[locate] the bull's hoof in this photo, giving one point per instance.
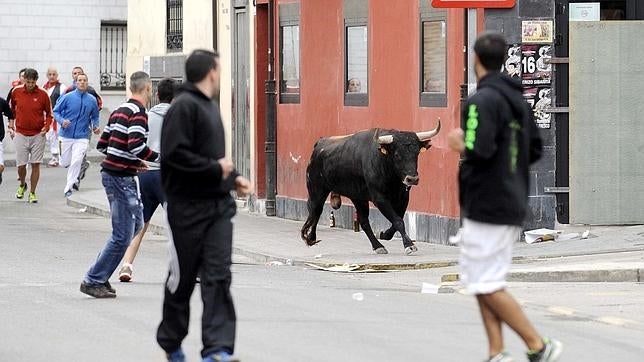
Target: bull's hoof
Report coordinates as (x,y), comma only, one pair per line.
(411,249)
(312,242)
(381,250)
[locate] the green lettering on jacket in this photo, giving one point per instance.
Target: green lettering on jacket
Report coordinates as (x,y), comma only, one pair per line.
(471,125)
(514,145)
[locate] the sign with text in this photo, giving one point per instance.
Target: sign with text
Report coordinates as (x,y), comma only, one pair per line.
(536,31)
(584,12)
(507,4)
(536,69)
(539,99)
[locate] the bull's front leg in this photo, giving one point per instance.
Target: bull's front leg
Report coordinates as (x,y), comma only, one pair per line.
(400,208)
(362,208)
(397,223)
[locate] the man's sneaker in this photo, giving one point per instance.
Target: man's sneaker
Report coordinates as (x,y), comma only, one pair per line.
(0,177)
(501,357)
(68,193)
(33,198)
(84,167)
(53,162)
(176,356)
(96,291)
(21,191)
(220,356)
(109,287)
(551,351)
(125,274)
(76,185)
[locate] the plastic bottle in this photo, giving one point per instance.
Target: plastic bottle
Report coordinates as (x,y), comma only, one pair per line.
(332,220)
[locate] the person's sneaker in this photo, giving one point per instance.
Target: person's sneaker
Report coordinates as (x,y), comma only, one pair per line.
(220,356)
(501,357)
(76,185)
(68,193)
(0,177)
(125,274)
(84,167)
(33,198)
(96,291)
(109,287)
(53,162)
(21,191)
(176,356)
(551,351)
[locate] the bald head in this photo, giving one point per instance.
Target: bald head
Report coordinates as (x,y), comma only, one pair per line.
(52,75)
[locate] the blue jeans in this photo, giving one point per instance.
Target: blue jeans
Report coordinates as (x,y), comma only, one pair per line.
(127,219)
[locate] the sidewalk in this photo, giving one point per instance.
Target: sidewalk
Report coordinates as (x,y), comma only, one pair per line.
(610,254)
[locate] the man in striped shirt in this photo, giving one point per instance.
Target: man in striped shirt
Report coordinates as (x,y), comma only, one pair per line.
(124,142)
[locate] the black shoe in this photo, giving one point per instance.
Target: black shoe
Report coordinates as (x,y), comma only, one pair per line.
(0,178)
(109,287)
(76,185)
(96,291)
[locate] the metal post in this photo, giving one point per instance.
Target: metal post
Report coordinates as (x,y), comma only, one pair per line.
(271,119)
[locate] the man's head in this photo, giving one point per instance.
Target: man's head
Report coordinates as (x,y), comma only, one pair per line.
(21,75)
(202,70)
(31,76)
(52,75)
(141,86)
(490,49)
(166,89)
(76,71)
(82,82)
(353,85)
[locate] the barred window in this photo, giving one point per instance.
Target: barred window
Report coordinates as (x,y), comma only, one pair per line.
(113,53)
(174,25)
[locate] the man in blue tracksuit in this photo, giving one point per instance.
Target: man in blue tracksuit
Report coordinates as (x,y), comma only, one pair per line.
(76,113)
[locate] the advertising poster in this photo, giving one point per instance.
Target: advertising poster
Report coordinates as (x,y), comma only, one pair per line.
(536,31)
(535,65)
(512,65)
(539,99)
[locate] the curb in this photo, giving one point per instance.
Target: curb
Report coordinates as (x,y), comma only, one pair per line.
(569,276)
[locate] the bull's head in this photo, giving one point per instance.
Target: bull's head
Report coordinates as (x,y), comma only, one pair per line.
(403,149)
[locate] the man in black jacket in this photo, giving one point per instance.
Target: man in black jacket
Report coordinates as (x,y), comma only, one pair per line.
(197,180)
(499,141)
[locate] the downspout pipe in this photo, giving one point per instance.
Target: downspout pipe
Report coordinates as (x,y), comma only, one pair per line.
(271,118)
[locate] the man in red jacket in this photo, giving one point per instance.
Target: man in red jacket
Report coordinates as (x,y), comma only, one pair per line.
(32,109)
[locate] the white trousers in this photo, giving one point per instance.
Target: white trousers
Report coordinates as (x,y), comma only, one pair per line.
(73,151)
(52,139)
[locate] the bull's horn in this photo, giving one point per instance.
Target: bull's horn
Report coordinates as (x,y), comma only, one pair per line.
(424,136)
(385,140)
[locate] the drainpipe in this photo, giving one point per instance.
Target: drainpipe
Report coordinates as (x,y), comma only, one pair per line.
(271,119)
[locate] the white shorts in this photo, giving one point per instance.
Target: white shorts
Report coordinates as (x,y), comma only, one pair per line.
(486,255)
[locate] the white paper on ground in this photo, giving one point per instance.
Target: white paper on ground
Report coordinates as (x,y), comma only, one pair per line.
(429,288)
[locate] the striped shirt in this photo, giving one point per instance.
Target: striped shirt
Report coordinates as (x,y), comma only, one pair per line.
(124,140)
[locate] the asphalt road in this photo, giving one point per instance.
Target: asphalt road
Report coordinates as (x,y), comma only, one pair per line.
(284,313)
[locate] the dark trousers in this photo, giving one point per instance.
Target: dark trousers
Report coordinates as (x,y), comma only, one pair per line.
(201,243)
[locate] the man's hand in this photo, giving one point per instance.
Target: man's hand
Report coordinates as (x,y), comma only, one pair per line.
(455,140)
(66,123)
(96,130)
(12,128)
(227,167)
(243,186)
(142,167)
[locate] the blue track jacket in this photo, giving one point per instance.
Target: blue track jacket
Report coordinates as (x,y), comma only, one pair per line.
(81,109)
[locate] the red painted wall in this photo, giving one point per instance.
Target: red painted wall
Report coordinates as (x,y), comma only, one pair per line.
(394,70)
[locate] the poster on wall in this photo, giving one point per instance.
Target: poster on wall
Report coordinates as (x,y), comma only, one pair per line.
(512,65)
(536,31)
(539,99)
(535,64)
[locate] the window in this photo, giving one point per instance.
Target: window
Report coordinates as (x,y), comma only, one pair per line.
(433,73)
(289,53)
(174,25)
(356,35)
(112,55)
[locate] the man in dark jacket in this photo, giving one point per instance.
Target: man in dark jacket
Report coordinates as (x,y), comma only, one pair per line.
(197,180)
(6,110)
(499,142)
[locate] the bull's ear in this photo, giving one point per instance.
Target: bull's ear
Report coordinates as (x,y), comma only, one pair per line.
(425,145)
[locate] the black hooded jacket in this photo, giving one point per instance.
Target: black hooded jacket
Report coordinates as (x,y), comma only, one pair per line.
(501,141)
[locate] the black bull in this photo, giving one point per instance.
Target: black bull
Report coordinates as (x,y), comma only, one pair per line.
(377,165)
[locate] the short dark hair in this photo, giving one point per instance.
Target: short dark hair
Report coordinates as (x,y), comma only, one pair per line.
(491,48)
(199,63)
(31,74)
(22,71)
(166,89)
